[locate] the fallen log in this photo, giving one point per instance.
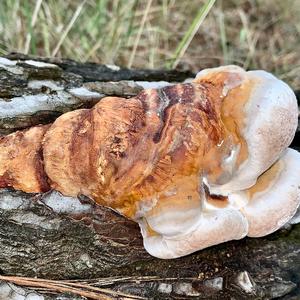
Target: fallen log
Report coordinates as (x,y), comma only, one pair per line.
(49,236)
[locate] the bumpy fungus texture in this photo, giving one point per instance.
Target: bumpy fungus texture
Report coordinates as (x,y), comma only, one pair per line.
(194,164)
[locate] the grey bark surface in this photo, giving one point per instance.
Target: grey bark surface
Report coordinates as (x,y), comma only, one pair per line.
(55,237)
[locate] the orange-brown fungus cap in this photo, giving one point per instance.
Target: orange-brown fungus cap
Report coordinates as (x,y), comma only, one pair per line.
(21,160)
(191,163)
(126,150)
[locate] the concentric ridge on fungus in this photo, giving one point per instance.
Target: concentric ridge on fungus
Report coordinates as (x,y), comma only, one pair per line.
(194,164)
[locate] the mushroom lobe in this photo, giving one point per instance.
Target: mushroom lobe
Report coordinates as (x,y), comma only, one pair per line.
(195,164)
(275,197)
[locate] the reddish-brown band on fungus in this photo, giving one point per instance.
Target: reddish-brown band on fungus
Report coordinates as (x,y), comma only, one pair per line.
(21,160)
(136,147)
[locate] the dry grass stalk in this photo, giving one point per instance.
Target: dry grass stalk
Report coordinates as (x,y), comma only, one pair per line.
(81,289)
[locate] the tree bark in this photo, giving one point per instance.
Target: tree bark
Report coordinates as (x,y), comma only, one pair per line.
(55,237)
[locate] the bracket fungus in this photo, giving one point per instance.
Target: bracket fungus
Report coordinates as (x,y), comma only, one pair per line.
(195,164)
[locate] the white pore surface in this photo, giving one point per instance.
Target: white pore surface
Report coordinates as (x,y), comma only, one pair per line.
(270,209)
(271,123)
(213,227)
(173,222)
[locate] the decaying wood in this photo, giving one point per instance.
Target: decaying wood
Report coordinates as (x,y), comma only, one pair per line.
(54,237)
(33,93)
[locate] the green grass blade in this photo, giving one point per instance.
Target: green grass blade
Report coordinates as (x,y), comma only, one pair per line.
(223,38)
(186,40)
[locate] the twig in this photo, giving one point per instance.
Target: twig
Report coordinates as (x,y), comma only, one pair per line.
(84,290)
